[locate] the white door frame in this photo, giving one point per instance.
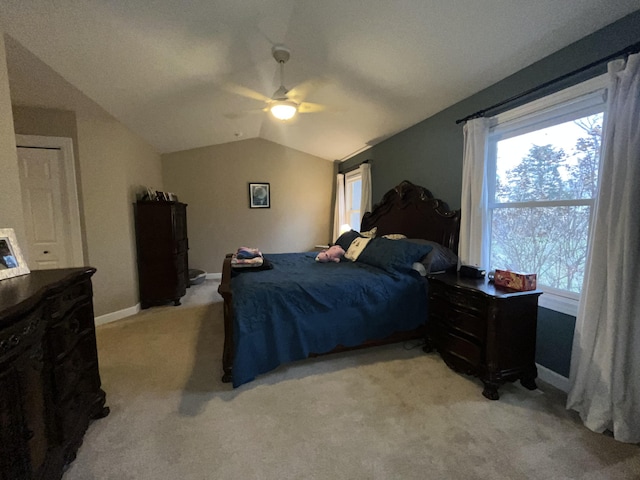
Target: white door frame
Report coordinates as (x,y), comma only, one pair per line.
(66,148)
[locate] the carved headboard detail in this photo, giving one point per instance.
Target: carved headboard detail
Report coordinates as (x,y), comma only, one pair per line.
(411,210)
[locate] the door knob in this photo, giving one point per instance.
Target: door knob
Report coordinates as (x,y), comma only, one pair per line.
(46,251)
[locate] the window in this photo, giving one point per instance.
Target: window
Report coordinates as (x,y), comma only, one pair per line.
(542,177)
(353,197)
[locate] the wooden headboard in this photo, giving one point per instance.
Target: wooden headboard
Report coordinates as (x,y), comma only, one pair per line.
(411,210)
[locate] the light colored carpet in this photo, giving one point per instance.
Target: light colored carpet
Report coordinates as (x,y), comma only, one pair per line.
(383,413)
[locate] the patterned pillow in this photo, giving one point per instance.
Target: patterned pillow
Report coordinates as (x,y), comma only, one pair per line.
(394,236)
(370,233)
(356,248)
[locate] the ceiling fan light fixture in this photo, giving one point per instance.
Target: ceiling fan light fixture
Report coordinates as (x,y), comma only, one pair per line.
(283,109)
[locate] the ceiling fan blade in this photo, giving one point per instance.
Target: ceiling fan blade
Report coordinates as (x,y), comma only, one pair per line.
(308,107)
(245,92)
(306,88)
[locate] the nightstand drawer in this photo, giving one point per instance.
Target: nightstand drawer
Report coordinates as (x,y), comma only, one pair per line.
(452,317)
(459,298)
(460,354)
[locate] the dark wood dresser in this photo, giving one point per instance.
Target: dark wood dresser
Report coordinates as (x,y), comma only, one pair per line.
(162,246)
(49,380)
(482,330)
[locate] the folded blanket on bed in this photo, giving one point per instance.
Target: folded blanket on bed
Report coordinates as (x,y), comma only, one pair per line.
(248,253)
(246,262)
(247,257)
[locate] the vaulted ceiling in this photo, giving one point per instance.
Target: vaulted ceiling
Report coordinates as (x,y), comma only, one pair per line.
(189,74)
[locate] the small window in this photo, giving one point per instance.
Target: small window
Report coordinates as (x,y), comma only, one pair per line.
(353,197)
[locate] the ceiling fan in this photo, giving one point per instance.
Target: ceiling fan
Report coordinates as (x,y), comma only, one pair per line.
(284,104)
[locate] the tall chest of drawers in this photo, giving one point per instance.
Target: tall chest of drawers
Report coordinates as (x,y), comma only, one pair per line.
(162,251)
(50,385)
(482,330)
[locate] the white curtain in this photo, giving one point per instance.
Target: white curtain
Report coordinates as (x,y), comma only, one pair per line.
(474,218)
(365,200)
(340,214)
(605,362)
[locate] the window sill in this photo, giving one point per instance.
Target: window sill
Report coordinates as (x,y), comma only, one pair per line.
(559,303)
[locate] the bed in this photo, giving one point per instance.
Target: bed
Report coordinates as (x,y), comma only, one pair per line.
(300,308)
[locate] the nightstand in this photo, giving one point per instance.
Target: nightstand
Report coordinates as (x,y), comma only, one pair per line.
(482,330)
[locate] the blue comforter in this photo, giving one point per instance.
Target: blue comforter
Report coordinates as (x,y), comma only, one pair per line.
(301,307)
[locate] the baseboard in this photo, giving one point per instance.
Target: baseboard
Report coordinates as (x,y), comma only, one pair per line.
(214,276)
(113,316)
(553,378)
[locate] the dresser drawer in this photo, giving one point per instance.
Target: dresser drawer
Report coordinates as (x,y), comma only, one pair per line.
(73,412)
(460,354)
(66,333)
(180,263)
(182,245)
(60,304)
(461,299)
(454,318)
(22,334)
(79,363)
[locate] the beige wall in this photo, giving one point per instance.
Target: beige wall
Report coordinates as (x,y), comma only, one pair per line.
(46,121)
(112,165)
(213,181)
(115,164)
(10,195)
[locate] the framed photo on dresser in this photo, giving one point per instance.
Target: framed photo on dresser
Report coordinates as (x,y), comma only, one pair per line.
(12,263)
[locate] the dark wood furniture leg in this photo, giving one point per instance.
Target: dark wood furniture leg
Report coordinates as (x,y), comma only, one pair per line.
(491,390)
(225,291)
(529,384)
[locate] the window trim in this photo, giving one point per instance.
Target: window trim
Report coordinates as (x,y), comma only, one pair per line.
(590,93)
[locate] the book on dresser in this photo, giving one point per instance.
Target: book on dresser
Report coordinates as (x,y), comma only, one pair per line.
(162,251)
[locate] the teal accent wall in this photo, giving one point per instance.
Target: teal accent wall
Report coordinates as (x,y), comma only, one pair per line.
(430,152)
(554,340)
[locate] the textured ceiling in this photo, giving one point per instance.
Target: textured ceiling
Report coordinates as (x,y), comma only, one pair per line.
(174,71)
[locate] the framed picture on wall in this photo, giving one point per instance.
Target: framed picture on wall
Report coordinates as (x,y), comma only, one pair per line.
(12,262)
(259,195)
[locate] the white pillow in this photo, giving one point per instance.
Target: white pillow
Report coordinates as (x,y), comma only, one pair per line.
(419,267)
(356,248)
(370,233)
(394,236)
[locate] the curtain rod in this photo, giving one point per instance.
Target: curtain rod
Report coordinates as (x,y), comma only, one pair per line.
(631,49)
(355,167)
